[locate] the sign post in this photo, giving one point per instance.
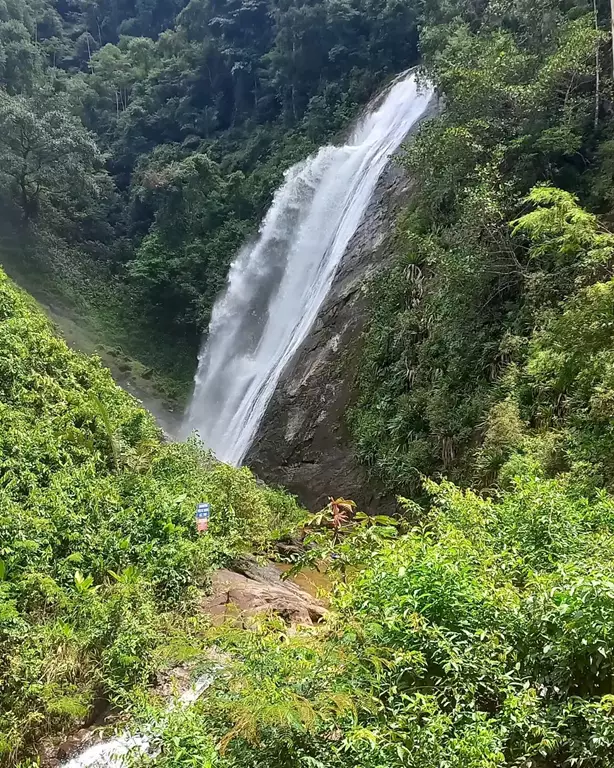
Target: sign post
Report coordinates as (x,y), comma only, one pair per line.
(203,512)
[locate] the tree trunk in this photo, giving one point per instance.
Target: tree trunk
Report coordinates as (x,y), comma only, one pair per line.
(597,65)
(29,204)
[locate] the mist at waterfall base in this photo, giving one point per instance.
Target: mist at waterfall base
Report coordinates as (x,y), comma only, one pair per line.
(277,284)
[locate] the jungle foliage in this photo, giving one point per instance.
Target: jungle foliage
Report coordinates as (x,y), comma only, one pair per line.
(100,562)
(501,256)
(176,121)
(476,633)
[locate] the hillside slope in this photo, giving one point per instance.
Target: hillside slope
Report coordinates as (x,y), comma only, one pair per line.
(99,556)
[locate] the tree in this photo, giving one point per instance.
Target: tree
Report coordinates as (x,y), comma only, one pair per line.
(20,59)
(199,224)
(47,157)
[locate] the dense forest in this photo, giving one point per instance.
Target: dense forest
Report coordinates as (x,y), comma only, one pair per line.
(142,144)
(139,145)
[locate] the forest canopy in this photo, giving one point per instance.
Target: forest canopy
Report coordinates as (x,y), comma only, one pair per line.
(175,121)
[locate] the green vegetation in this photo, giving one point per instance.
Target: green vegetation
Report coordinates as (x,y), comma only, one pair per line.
(100,562)
(141,144)
(476,629)
(476,634)
(496,254)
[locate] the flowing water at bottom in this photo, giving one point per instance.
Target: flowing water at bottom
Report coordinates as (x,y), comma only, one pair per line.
(112,753)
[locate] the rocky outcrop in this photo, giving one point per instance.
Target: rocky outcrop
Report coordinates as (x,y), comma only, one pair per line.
(303,442)
(250,589)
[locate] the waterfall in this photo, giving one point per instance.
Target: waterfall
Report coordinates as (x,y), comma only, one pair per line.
(117,752)
(277,284)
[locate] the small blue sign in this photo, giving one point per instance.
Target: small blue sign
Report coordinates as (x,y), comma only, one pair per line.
(203,511)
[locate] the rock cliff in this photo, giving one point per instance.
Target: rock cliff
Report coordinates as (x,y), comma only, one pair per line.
(303,442)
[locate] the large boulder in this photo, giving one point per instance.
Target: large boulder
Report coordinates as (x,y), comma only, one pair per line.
(251,589)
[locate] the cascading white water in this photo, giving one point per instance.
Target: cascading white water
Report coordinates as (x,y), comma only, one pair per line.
(277,284)
(115,753)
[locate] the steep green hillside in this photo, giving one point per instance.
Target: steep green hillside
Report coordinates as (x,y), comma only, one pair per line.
(482,335)
(99,557)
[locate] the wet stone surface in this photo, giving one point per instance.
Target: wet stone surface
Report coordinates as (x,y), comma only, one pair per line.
(303,442)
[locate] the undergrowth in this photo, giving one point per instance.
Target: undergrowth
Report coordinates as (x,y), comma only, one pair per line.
(99,555)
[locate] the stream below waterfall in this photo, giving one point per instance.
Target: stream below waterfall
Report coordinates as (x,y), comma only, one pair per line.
(112,752)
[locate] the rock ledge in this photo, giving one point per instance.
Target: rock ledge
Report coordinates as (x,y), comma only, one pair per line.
(250,589)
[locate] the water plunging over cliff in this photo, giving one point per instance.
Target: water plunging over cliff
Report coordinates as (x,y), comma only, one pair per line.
(277,284)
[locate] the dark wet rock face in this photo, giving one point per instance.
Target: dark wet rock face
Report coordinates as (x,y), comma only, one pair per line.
(303,442)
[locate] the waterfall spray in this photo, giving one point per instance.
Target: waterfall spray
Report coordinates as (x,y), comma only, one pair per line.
(277,284)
